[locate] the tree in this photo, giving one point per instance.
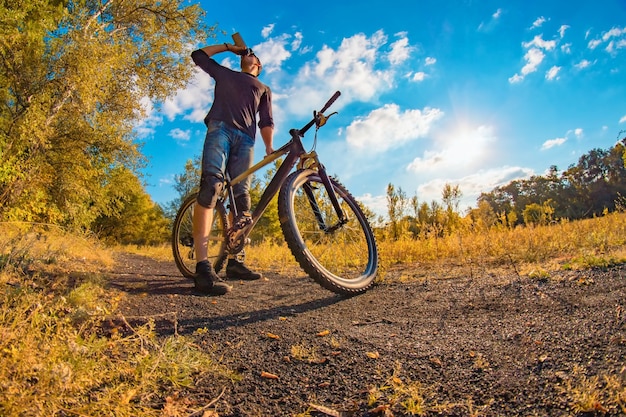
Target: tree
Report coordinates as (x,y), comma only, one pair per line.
(586,189)
(131,217)
(73,75)
(185,184)
(396,207)
(451,197)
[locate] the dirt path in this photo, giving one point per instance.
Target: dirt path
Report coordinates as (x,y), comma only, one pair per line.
(485,346)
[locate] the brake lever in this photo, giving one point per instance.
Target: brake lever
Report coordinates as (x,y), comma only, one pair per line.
(320,119)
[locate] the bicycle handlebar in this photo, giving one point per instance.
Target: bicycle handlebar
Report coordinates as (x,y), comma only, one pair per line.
(329,103)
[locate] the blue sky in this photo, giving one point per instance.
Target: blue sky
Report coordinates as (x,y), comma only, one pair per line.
(469,93)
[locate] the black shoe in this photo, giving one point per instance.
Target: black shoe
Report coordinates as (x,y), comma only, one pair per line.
(237,270)
(207,281)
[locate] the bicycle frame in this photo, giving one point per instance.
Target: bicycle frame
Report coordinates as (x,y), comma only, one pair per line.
(294,151)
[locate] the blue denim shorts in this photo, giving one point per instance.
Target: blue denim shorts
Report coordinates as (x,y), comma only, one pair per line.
(227,150)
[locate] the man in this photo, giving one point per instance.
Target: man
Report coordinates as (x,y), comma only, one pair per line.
(228,148)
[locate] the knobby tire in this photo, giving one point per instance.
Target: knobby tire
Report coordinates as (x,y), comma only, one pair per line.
(343,260)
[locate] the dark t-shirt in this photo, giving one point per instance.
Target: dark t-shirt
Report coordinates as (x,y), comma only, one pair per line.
(238,96)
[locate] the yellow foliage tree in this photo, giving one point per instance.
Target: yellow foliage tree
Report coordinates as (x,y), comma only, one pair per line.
(73,76)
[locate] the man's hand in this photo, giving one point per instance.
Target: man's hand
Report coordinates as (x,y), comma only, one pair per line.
(239,50)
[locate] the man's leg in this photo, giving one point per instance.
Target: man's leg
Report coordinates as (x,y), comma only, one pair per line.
(202,222)
(241,158)
(214,155)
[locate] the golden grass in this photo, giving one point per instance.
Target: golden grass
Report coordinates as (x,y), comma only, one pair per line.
(598,242)
(63,348)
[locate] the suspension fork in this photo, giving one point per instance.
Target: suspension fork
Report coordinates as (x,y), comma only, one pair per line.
(308,189)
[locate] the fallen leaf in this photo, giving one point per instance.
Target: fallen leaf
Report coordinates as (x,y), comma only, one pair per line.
(326,410)
(373,355)
(273,336)
(324,333)
(268,375)
(379,409)
(436,361)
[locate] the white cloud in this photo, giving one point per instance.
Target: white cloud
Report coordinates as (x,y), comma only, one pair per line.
(297,41)
(418,76)
(538,22)
(193,102)
(562,30)
(623,119)
(180,135)
(491,23)
(613,33)
(538,42)
(146,126)
(583,64)
(533,58)
(593,44)
(553,73)
(273,52)
(578,132)
(378,203)
(352,68)
(400,51)
(615,39)
(552,143)
(473,185)
(267,30)
(388,127)
(430,61)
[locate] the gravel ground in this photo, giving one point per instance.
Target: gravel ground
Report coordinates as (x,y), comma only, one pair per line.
(467,346)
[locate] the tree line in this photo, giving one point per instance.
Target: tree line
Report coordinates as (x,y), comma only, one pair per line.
(592,187)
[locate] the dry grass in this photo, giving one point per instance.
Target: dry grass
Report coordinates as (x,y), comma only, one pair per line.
(63,348)
(530,251)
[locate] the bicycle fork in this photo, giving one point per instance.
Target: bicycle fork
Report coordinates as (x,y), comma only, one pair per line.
(308,189)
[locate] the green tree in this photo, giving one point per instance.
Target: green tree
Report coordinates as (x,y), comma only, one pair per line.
(130,217)
(185,184)
(268,226)
(73,75)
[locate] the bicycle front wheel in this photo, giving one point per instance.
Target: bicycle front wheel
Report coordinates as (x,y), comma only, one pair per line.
(340,256)
(183,247)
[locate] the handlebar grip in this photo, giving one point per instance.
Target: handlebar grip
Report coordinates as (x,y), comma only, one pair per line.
(331,101)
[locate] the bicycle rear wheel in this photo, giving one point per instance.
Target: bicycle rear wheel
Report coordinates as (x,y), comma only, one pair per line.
(342,258)
(182,238)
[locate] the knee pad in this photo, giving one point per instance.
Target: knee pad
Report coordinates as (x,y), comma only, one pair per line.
(211,188)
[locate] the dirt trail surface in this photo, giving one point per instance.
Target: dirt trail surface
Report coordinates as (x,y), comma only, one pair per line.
(480,346)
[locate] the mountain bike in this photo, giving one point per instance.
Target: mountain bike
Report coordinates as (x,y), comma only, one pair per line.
(323,224)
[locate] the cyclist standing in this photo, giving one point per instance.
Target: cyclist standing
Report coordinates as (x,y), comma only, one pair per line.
(229,148)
